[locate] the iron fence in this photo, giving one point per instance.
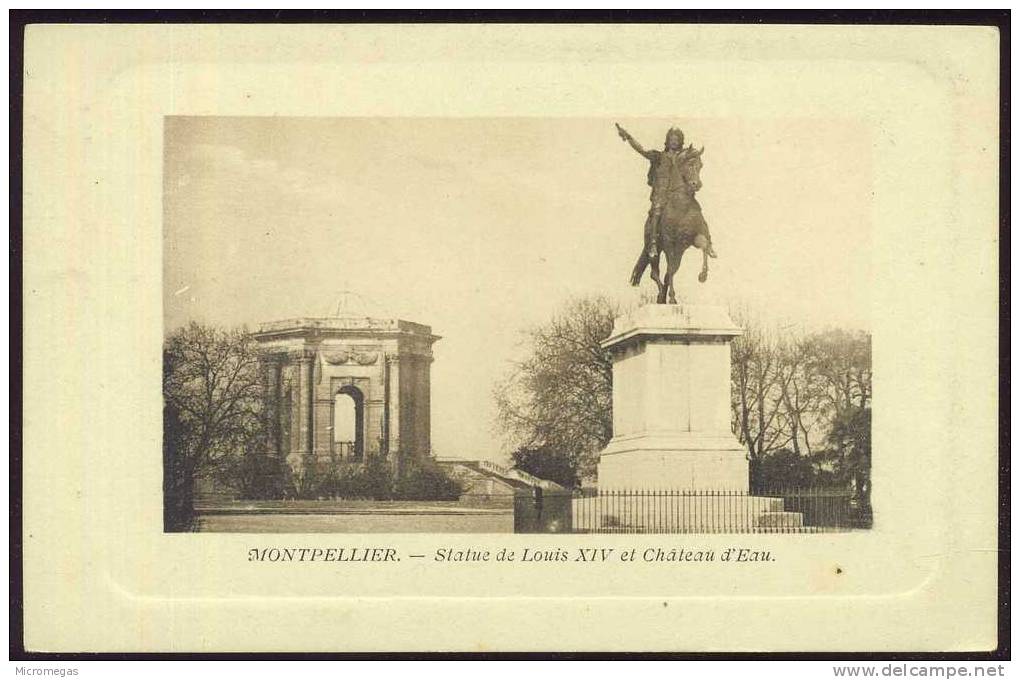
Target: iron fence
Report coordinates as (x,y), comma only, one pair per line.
(671,511)
(346,451)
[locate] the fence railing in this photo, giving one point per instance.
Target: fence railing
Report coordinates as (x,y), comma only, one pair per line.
(670,511)
(346,451)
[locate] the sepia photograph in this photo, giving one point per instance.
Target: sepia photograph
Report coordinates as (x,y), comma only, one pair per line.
(490,325)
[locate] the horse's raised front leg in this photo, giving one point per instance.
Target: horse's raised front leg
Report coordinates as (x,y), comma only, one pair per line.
(703,276)
(705,246)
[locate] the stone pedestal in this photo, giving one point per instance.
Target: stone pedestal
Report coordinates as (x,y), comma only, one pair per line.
(671,402)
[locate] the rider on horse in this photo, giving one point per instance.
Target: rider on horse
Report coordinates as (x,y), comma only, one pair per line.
(665,177)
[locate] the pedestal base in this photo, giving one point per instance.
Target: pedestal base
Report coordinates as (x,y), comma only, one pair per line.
(673,462)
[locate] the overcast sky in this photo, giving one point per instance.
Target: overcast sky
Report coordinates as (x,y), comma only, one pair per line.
(482,228)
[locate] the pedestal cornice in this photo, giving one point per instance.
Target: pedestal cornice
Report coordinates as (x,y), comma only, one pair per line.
(676,323)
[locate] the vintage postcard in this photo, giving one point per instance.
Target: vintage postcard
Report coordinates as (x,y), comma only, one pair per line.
(574,338)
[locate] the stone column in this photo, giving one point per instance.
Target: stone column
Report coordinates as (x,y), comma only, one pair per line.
(300,369)
(671,402)
(322,424)
(304,426)
(294,419)
(373,419)
(271,378)
(393,419)
(426,410)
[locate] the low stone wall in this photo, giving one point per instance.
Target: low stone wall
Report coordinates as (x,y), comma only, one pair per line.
(353,517)
(326,507)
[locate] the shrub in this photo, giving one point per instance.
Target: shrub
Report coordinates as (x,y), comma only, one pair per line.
(375,479)
(256,476)
(548,463)
(421,479)
(781,470)
(346,482)
(339,479)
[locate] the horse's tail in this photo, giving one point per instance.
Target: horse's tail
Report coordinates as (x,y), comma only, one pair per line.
(639,268)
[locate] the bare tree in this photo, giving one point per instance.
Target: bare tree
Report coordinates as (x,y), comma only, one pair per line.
(212,410)
(558,401)
(801,397)
(840,361)
(759,378)
(788,388)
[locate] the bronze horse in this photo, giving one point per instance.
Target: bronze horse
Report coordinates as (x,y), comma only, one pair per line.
(681,225)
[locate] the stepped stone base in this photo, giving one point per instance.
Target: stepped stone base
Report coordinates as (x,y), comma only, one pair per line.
(671,513)
(781,520)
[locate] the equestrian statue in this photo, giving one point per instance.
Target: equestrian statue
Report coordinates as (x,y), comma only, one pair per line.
(674,221)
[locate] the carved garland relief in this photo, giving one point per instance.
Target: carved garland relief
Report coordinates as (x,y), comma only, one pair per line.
(340,357)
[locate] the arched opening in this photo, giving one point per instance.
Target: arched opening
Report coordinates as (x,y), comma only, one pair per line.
(348,423)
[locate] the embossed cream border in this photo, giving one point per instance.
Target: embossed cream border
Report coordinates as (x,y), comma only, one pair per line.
(101,576)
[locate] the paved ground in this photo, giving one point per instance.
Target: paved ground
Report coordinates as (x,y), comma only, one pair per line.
(493,522)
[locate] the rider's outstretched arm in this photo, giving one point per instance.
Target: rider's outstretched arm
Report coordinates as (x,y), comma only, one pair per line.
(626,136)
